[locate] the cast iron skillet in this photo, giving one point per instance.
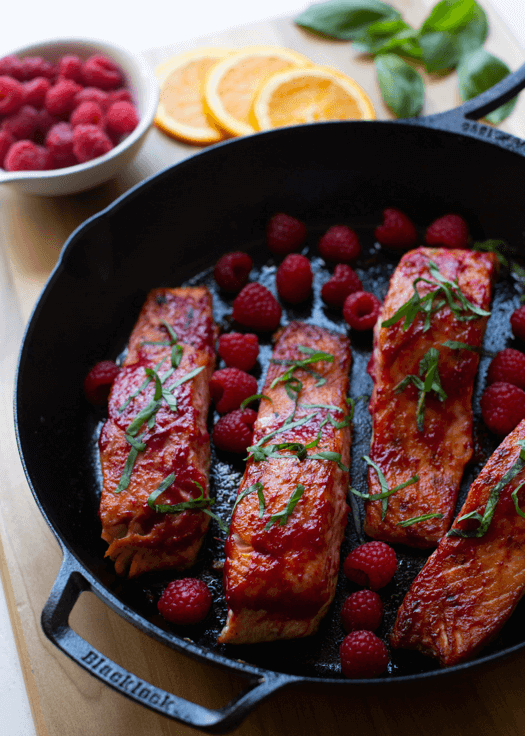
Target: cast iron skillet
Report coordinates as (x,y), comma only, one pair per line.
(170,229)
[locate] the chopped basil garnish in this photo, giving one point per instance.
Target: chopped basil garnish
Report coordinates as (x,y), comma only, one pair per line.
(417,519)
(385,493)
(136,447)
(314,357)
(193,504)
(283,516)
(427,381)
(141,387)
(455,345)
(514,496)
(334,457)
(255,397)
(255,487)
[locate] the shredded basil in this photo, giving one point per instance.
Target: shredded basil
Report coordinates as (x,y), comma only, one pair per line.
(283,516)
(385,493)
(255,397)
(314,357)
(514,496)
(136,447)
(417,519)
(255,487)
(141,387)
(427,381)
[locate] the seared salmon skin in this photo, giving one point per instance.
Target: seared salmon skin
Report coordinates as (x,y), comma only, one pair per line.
(471,584)
(424,361)
(283,548)
(154,446)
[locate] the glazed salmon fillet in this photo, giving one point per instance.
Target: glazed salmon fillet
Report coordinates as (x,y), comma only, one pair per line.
(470,585)
(149,441)
(431,442)
(282,553)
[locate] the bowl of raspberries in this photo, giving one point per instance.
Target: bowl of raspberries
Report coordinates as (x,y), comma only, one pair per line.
(73,113)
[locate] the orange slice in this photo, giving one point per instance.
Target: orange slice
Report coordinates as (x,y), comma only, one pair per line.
(181,112)
(309,95)
(232,83)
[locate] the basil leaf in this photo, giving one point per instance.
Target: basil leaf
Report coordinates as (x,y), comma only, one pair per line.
(345,19)
(514,496)
(417,519)
(282,516)
(255,397)
(440,51)
(479,71)
(166,483)
(390,35)
(465,20)
(402,87)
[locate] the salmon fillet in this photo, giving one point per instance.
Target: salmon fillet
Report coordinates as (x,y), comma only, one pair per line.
(141,538)
(470,586)
(280,573)
(434,444)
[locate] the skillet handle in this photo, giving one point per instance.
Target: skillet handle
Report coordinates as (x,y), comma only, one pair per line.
(69,584)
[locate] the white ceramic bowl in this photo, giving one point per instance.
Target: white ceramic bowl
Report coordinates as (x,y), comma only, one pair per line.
(141,82)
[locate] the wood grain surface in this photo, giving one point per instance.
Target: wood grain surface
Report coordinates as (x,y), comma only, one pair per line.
(64,698)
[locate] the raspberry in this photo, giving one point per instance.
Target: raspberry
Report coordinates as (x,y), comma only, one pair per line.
(119,95)
(339,243)
(502,407)
(508,367)
(35,91)
(92,94)
(36,66)
(60,99)
(185,601)
(59,141)
(11,66)
(397,230)
(69,67)
(229,387)
(27,156)
(100,71)
(232,271)
(362,610)
(11,95)
(239,350)
(284,233)
(256,307)
(122,118)
(517,322)
(449,231)
(363,655)
(6,141)
(98,382)
(234,431)
(22,124)
(371,565)
(87,112)
(45,121)
(90,141)
(294,278)
(361,310)
(344,282)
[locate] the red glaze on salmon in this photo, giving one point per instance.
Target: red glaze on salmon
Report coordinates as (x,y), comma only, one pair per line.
(439,453)
(141,540)
(280,581)
(469,587)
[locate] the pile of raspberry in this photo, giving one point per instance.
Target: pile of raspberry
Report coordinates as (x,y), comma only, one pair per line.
(58,115)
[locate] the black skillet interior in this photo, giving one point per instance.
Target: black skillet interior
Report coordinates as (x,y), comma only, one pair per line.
(171,230)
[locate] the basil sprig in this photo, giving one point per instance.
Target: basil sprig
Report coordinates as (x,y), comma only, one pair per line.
(427,381)
(386,492)
(452,36)
(282,516)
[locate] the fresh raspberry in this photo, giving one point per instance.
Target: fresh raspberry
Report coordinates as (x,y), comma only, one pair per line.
(22,124)
(6,141)
(345,281)
(98,382)
(90,141)
(11,66)
(36,66)
(92,94)
(284,233)
(363,655)
(294,278)
(339,243)
(229,387)
(239,350)
(371,565)
(119,95)
(397,230)
(69,67)
(234,431)
(87,112)
(122,118)
(517,322)
(508,367)
(361,310)
(502,407)
(449,231)
(60,99)
(35,91)
(102,72)
(257,308)
(45,122)
(362,611)
(59,141)
(11,95)
(27,156)
(232,271)
(185,601)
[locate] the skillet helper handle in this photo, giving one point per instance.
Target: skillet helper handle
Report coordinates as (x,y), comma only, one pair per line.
(69,584)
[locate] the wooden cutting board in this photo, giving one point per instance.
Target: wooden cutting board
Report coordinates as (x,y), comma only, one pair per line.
(64,698)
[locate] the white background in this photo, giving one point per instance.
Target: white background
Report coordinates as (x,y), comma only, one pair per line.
(137,26)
